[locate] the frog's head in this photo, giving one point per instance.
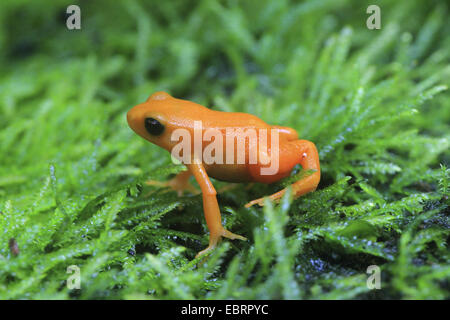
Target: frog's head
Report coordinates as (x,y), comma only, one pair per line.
(155,119)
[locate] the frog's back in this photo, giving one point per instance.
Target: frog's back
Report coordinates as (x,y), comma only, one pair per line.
(217,119)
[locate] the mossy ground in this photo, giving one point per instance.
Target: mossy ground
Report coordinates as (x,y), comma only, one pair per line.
(375,102)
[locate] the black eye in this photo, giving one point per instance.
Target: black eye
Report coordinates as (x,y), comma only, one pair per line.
(153,126)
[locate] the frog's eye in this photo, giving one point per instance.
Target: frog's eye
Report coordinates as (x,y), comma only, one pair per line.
(153,126)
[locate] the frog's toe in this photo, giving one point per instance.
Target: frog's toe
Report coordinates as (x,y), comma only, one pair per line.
(274,197)
(210,248)
(232,236)
(259,202)
(215,238)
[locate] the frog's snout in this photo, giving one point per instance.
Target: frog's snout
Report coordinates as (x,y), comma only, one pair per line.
(130,118)
(133,118)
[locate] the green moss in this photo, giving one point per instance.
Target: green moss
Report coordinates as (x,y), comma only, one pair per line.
(375,102)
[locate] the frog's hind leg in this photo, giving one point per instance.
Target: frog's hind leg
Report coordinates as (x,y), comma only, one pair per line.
(309,160)
(179,183)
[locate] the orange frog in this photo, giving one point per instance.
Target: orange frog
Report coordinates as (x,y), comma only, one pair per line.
(160,119)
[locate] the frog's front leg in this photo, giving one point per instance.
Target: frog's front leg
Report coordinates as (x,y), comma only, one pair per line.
(210,208)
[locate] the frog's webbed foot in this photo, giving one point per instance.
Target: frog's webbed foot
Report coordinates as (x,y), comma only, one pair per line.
(179,183)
